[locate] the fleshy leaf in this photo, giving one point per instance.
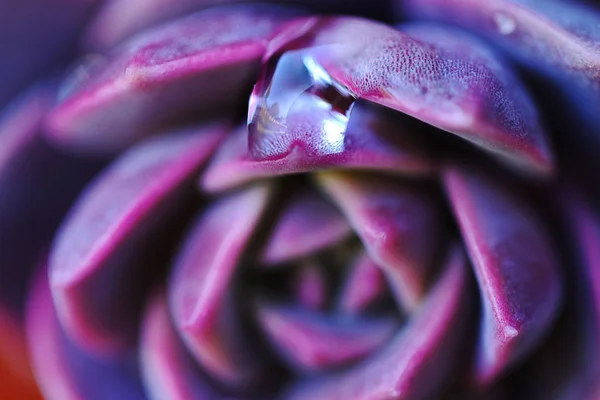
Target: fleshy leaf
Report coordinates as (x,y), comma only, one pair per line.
(416,363)
(118,236)
(312,341)
(376,139)
(168,371)
(398,224)
(201,63)
(199,293)
(515,265)
(558,35)
(308,224)
(438,75)
(63,370)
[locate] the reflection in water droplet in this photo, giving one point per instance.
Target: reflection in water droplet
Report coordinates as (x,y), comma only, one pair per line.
(297,104)
(505,23)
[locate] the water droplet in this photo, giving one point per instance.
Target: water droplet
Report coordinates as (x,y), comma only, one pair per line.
(505,23)
(510,332)
(297,104)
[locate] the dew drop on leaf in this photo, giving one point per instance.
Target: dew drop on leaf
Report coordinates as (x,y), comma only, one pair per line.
(296,104)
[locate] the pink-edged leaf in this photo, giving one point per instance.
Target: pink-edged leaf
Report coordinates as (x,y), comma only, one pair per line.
(364,285)
(37,186)
(119,234)
(560,35)
(168,371)
(199,293)
(398,224)
(435,74)
(308,224)
(37,35)
(310,286)
(376,139)
(418,361)
(311,341)
(201,63)
(515,265)
(65,372)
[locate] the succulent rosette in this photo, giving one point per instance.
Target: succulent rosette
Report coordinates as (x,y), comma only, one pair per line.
(300,200)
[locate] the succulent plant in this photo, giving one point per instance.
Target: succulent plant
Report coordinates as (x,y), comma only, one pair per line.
(300,200)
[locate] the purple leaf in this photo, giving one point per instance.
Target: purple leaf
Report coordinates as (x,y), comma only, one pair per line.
(568,365)
(364,285)
(168,371)
(201,63)
(398,224)
(311,341)
(199,292)
(308,224)
(118,234)
(417,361)
(440,76)
(515,265)
(558,35)
(310,286)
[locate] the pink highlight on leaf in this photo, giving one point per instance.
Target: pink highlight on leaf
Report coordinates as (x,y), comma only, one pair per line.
(364,285)
(375,140)
(398,224)
(515,265)
(111,238)
(308,224)
(418,361)
(200,63)
(311,341)
(199,291)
